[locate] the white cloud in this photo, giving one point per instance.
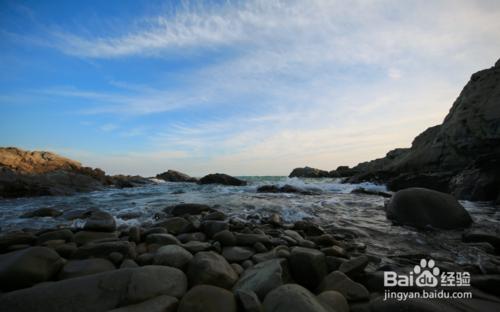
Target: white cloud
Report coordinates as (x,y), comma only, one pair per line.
(315,82)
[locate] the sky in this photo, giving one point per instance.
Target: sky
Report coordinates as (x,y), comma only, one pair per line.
(240,87)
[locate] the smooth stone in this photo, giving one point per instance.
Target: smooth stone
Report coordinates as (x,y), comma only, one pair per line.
(309,228)
(308,266)
(134,234)
(259,247)
(145,259)
(225,237)
(251,239)
(16,238)
(264,277)
(84,237)
(98,292)
(28,267)
(334,300)
(128,263)
(196,236)
(116,257)
(191,209)
(221,178)
(100,221)
(157,304)
(208,267)
(65,235)
(66,250)
(237,254)
(340,282)
(195,246)
(175,225)
(216,215)
(77,268)
(334,263)
(237,268)
(334,251)
(208,298)
(354,266)
(102,250)
(162,239)
(172,255)
(212,227)
(248,301)
(292,297)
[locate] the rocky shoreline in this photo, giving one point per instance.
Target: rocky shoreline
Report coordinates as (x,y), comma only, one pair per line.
(195,258)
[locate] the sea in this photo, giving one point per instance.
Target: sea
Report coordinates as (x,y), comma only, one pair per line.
(359,217)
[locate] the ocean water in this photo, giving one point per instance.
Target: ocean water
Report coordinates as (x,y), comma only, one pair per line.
(357,216)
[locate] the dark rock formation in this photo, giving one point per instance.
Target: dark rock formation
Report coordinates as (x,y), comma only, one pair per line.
(175,176)
(308,172)
(221,178)
(421,208)
(461,156)
(36,173)
(287,188)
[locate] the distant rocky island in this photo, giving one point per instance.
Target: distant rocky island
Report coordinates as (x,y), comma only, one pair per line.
(461,156)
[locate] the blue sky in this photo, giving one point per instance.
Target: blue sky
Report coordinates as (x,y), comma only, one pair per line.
(242,87)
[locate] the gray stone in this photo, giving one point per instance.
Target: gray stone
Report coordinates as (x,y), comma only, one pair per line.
(248,301)
(162,239)
(251,239)
(128,264)
(102,250)
(196,236)
(183,209)
(98,292)
(195,246)
(77,268)
(340,282)
(225,237)
(308,266)
(157,304)
(84,237)
(100,221)
(354,266)
(172,255)
(175,225)
(42,212)
(65,235)
(211,227)
(208,298)
(292,297)
(207,267)
(28,267)
(264,277)
(16,238)
(237,254)
(333,300)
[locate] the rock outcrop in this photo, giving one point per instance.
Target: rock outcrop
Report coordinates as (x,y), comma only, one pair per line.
(221,178)
(37,173)
(175,176)
(461,156)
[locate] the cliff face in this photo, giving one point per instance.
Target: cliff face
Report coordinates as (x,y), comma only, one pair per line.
(460,156)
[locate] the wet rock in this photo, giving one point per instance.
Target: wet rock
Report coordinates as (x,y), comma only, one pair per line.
(134,234)
(259,247)
(128,215)
(66,250)
(308,266)
(292,297)
(16,238)
(216,215)
(248,301)
(175,225)
(333,300)
(42,212)
(157,304)
(309,228)
(100,221)
(237,254)
(326,240)
(175,176)
(251,239)
(208,298)
(102,250)
(354,266)
(421,208)
(225,237)
(116,258)
(155,230)
(196,236)
(334,251)
(268,189)
(264,277)
(27,267)
(77,214)
(195,246)
(340,282)
(220,178)
(98,292)
(77,268)
(172,255)
(187,209)
(237,268)
(207,267)
(145,259)
(308,172)
(162,239)
(128,264)
(333,263)
(84,237)
(65,235)
(212,227)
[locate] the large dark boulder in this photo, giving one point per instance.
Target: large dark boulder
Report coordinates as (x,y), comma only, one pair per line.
(208,298)
(98,292)
(208,267)
(221,178)
(175,176)
(187,209)
(28,267)
(308,172)
(292,297)
(422,208)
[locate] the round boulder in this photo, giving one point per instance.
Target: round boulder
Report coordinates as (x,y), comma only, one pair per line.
(208,267)
(421,208)
(207,298)
(292,297)
(172,255)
